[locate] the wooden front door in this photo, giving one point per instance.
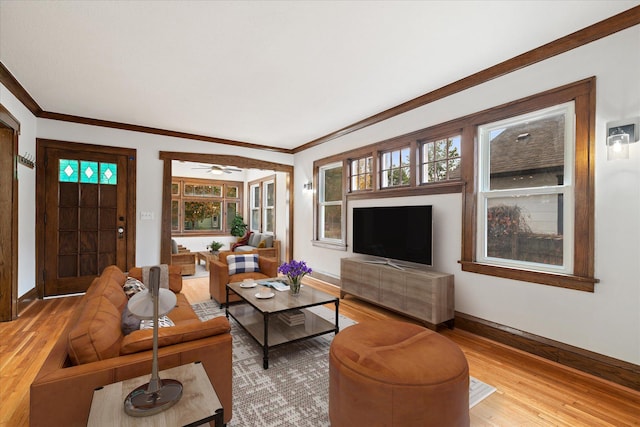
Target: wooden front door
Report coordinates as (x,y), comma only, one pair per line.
(88,213)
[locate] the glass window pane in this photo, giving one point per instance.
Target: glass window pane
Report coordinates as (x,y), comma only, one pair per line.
(527,154)
(68,170)
(88,172)
(202,216)
(441,149)
(526,228)
(255,220)
(332,184)
(255,196)
(405,155)
(108,173)
(332,216)
(216,191)
(454,146)
(175,210)
(232,209)
(175,189)
(232,191)
(189,190)
(270,194)
(269,219)
(386,160)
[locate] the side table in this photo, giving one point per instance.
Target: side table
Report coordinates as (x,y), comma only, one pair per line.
(199,403)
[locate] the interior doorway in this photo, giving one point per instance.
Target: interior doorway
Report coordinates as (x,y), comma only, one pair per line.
(225,160)
(9,131)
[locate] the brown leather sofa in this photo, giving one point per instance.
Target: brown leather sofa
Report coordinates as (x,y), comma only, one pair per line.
(219,274)
(93,352)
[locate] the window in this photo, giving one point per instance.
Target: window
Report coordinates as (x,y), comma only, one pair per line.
(87,172)
(361,174)
(529,202)
(395,170)
(263,205)
(526,190)
(440,160)
(203,206)
(330,205)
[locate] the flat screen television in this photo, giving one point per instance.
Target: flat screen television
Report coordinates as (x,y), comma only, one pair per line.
(395,233)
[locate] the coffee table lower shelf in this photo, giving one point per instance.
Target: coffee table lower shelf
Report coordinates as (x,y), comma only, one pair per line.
(278,332)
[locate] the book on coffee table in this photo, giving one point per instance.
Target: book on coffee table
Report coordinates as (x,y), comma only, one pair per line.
(292,318)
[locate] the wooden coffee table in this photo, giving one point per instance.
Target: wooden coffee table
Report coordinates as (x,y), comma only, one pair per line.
(206,256)
(261,318)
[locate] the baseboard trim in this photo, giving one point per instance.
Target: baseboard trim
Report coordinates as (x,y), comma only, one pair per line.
(333,280)
(614,370)
(25,300)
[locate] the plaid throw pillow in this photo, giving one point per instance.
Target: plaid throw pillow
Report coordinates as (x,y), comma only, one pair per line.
(247,263)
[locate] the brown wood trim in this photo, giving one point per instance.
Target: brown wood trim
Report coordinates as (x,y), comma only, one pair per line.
(8,119)
(12,84)
(226,160)
(25,300)
(156,131)
(607,27)
(445,187)
(567,281)
(611,369)
(218,159)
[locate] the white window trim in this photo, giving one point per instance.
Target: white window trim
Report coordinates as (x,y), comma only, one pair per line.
(322,204)
(567,190)
(266,207)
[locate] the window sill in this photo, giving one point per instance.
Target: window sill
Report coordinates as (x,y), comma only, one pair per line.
(578,283)
(447,187)
(329,245)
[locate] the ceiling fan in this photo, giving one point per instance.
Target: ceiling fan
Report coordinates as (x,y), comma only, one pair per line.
(218,170)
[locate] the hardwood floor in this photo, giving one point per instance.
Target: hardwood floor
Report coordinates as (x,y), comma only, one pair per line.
(531,391)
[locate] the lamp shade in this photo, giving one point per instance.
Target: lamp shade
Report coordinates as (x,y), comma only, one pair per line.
(618,146)
(141,304)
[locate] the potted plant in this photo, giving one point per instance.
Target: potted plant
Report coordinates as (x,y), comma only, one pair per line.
(238,227)
(214,247)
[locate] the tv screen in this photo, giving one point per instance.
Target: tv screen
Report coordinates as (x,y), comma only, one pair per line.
(394,232)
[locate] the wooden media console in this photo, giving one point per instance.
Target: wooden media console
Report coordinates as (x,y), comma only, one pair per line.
(424,295)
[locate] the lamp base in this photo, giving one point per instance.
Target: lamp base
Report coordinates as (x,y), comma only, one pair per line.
(141,403)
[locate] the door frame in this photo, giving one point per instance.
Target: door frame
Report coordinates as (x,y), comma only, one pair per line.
(10,312)
(41,146)
(217,159)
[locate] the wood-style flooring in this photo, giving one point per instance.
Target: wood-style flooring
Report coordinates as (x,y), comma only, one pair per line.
(531,391)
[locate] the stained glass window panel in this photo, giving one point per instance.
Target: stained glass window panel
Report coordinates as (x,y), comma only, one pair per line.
(88,172)
(108,173)
(68,170)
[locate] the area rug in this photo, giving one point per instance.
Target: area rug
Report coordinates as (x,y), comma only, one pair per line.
(294,391)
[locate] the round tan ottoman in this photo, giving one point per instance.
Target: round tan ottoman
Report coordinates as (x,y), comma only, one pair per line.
(391,373)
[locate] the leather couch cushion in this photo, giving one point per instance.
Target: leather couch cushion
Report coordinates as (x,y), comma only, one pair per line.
(188,330)
(109,288)
(97,333)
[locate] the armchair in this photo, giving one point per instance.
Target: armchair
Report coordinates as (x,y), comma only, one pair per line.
(184,258)
(219,274)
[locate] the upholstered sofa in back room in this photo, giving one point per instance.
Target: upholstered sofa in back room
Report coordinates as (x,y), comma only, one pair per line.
(265,244)
(92,351)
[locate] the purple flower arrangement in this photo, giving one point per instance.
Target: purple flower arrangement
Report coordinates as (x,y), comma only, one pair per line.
(295,271)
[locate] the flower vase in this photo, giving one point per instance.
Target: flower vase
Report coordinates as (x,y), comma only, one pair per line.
(294,285)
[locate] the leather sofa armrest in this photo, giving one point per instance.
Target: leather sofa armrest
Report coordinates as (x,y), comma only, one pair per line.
(218,279)
(268,266)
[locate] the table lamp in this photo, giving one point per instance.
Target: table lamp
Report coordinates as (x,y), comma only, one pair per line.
(157,395)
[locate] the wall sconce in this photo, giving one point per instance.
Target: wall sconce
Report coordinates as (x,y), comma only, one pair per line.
(308,186)
(620,134)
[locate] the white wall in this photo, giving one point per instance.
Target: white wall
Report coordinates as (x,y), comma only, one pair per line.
(149,170)
(606,321)
(26,192)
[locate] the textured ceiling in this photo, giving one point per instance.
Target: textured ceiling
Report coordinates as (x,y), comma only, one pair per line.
(271,73)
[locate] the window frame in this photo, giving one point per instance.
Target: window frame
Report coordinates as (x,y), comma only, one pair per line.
(181,198)
(582,93)
(261,206)
(485,193)
(319,204)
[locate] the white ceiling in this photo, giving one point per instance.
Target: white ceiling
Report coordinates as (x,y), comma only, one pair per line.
(275,73)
